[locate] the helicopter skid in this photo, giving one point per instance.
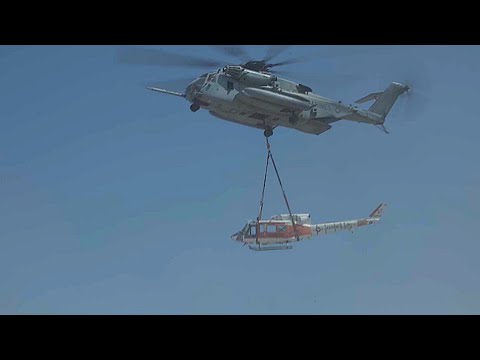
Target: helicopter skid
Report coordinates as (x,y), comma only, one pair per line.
(271,248)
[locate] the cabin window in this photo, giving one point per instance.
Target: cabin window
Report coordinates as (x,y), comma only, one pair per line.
(282,228)
(229,85)
(271,229)
(253,231)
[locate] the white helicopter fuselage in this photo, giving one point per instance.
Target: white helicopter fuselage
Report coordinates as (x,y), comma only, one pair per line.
(280,230)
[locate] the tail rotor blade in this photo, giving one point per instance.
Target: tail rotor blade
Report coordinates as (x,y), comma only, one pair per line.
(412,104)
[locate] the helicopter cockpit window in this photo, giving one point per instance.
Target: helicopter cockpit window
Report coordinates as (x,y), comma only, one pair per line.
(201,79)
(211,77)
(252,231)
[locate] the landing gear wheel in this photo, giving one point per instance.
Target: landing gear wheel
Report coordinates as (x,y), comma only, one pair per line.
(194,107)
(268,132)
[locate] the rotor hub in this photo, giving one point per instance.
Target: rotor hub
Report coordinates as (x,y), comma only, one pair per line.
(260,66)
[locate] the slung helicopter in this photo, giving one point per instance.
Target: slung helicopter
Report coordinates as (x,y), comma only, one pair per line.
(278,232)
(251,94)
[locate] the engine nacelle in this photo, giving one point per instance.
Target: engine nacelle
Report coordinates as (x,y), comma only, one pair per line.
(250,77)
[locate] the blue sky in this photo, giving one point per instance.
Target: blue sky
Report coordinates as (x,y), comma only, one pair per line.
(117,200)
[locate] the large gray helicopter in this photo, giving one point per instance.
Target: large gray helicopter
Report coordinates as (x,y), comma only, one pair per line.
(251,94)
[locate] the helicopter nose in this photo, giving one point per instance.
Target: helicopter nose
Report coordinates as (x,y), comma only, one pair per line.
(237,236)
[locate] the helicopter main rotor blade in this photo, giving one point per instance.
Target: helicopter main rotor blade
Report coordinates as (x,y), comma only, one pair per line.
(143,56)
(273,51)
(302,59)
(236,51)
(333,52)
(295,60)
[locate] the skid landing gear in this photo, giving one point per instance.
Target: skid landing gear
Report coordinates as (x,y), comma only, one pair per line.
(270,248)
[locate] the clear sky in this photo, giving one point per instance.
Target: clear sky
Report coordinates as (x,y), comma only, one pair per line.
(118,200)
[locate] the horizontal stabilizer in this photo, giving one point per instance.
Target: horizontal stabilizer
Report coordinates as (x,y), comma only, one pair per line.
(370,97)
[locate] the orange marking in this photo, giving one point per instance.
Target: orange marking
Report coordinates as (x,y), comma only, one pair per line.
(289,231)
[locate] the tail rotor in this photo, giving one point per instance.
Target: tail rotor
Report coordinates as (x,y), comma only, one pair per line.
(413,103)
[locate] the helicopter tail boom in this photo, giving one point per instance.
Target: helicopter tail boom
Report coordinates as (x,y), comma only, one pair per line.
(384,101)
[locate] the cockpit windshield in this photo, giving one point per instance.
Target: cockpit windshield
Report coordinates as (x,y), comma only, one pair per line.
(248,231)
(202,79)
(211,77)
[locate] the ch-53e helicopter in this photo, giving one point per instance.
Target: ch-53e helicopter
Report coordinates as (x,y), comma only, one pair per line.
(251,94)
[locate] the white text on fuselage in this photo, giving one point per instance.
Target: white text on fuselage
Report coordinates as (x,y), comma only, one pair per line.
(334,226)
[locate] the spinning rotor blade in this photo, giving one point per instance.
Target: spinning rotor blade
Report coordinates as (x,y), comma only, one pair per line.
(236,51)
(414,106)
(413,103)
(143,56)
(415,100)
(329,52)
(274,50)
(295,60)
